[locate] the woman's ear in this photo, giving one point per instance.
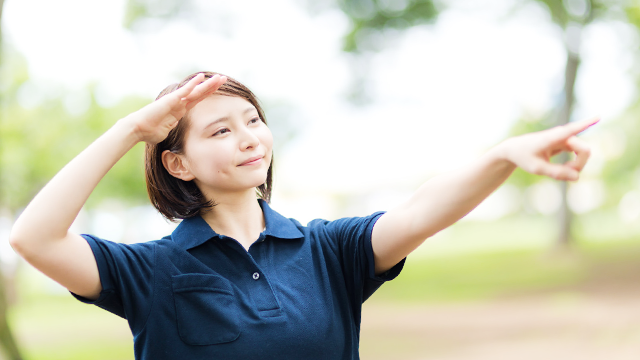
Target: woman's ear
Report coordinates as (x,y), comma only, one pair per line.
(175,165)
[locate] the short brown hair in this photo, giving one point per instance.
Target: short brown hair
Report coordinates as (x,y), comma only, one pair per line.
(178,199)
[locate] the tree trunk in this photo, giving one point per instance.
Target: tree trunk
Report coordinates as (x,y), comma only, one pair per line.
(7,342)
(571,71)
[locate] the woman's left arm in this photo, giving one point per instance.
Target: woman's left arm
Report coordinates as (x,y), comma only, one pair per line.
(445,199)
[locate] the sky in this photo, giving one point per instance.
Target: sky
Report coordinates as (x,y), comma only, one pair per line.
(441,94)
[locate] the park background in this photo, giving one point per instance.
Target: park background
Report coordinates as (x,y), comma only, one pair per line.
(367,99)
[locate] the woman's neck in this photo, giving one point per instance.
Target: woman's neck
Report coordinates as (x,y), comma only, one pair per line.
(239,217)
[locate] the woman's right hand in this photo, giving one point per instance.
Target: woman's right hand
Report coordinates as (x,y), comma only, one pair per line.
(153,122)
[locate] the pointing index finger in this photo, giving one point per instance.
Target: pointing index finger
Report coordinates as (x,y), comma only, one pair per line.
(577,127)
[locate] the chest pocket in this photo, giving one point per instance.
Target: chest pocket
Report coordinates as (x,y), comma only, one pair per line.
(205,308)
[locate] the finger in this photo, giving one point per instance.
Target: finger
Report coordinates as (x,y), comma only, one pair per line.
(574,128)
(189,86)
(582,151)
(208,90)
(556,171)
(205,88)
(223,79)
(212,88)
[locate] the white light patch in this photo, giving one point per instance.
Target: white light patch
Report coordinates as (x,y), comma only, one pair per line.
(545,197)
(605,85)
(629,206)
(586,195)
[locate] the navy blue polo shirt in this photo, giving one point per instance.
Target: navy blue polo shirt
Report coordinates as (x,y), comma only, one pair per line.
(297,293)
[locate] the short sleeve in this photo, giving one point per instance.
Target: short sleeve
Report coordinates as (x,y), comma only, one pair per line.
(127,278)
(352,238)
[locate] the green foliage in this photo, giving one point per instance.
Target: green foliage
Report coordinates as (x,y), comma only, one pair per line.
(158,9)
(633,13)
(37,142)
(564,12)
(370,17)
(623,173)
(557,11)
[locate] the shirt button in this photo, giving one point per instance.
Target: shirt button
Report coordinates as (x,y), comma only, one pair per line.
(256,276)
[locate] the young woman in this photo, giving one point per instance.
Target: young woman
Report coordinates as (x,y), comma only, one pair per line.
(236,280)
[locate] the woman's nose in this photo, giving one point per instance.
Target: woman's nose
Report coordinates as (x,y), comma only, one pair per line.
(248,140)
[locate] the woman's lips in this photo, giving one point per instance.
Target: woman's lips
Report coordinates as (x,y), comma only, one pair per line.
(252,161)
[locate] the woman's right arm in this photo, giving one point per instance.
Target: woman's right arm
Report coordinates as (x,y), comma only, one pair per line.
(41,233)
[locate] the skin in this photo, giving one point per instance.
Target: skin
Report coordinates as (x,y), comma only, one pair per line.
(224,133)
(215,158)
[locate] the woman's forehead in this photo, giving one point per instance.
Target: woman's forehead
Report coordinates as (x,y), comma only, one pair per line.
(220,105)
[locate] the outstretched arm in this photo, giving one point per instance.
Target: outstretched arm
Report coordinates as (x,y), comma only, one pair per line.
(445,199)
(41,233)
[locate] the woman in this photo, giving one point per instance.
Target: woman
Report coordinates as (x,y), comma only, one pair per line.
(236,280)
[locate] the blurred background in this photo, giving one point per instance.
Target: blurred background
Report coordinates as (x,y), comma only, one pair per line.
(367,99)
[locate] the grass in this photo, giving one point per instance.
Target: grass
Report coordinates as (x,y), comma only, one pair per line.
(470,277)
(60,328)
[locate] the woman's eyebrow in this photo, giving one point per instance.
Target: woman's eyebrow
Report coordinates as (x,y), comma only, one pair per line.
(226,118)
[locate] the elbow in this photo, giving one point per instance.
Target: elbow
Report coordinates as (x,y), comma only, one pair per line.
(23,236)
(29,243)
(17,243)
(20,240)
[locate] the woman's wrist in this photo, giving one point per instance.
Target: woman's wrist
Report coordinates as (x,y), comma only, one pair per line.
(502,154)
(127,130)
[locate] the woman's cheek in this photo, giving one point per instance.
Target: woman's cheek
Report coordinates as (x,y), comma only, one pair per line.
(266,138)
(211,162)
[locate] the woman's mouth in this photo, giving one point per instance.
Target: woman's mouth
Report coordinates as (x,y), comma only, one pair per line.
(252,161)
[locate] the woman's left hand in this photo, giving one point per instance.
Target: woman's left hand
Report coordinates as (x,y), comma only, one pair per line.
(532,152)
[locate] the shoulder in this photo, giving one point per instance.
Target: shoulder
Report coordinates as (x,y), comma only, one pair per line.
(343,231)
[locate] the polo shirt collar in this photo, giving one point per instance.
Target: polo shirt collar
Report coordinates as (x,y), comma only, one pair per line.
(195,231)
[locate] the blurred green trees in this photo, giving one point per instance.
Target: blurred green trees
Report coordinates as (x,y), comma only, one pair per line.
(371,18)
(8,344)
(572,17)
(41,129)
(36,141)
(40,138)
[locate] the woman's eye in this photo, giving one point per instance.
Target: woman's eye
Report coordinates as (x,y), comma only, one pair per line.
(220,132)
(254,120)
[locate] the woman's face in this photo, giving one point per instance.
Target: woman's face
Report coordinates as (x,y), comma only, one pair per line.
(227,146)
